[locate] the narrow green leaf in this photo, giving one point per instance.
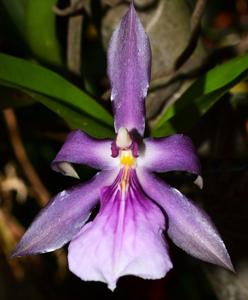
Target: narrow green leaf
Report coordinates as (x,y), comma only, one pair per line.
(201,96)
(22,74)
(13,98)
(75,119)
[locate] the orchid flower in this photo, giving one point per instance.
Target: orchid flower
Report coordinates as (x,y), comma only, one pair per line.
(136,207)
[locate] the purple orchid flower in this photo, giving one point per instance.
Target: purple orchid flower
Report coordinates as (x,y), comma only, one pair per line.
(136,208)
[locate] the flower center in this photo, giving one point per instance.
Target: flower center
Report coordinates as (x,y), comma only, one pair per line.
(127,159)
(125,148)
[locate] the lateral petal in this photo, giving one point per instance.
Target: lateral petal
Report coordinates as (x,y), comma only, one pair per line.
(173,153)
(190,227)
(80,148)
(129,68)
(63,217)
(126,238)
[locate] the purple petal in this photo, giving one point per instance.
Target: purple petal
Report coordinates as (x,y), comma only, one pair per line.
(189,227)
(129,68)
(126,238)
(63,217)
(80,148)
(173,153)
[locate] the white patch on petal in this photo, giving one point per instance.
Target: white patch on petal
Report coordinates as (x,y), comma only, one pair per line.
(63,195)
(68,170)
(199,182)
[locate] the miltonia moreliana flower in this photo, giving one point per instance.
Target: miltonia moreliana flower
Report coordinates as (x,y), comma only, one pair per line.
(136,207)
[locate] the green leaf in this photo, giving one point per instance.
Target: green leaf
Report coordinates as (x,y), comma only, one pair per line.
(13,98)
(23,75)
(15,10)
(75,119)
(40,31)
(201,96)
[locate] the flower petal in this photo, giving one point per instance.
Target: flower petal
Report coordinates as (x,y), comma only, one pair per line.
(80,148)
(173,153)
(189,227)
(129,68)
(126,238)
(63,217)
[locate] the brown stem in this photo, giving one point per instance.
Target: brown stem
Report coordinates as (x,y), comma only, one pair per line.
(40,190)
(74,42)
(75,8)
(138,6)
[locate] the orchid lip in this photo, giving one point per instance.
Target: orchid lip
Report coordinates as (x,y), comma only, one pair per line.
(126,237)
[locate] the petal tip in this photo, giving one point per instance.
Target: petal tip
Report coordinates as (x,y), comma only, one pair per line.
(112,286)
(14,254)
(132,9)
(227,264)
(199,182)
(18,251)
(67,169)
(24,248)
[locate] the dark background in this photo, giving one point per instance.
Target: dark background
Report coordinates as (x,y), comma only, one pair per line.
(220,137)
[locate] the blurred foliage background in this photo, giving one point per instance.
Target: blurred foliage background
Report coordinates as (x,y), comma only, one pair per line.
(53,79)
